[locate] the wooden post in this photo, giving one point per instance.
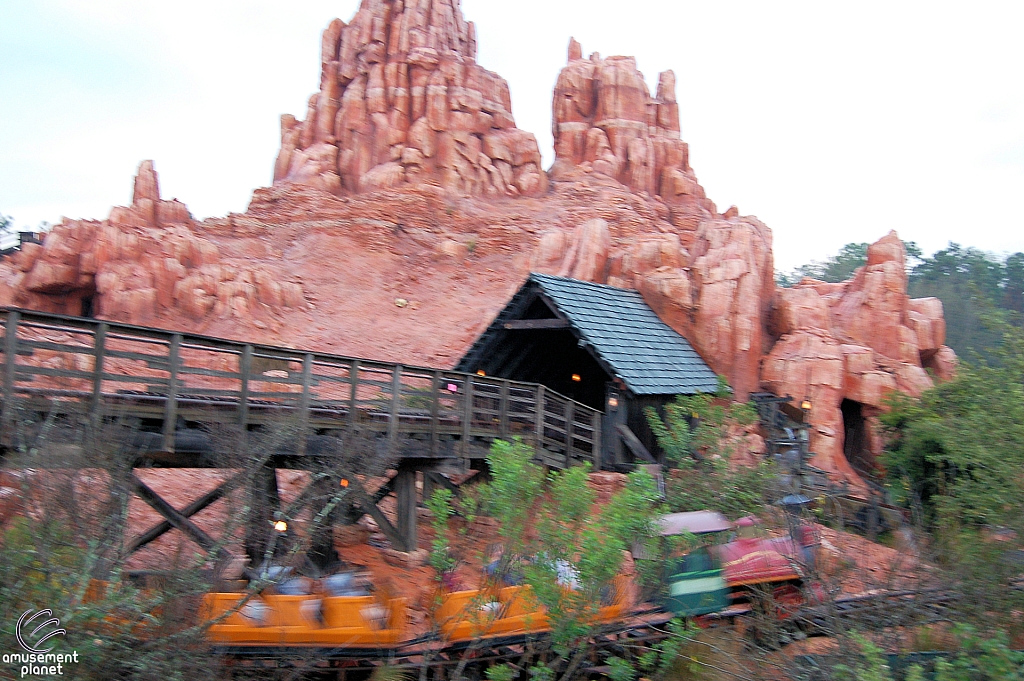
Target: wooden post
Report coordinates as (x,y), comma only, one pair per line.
(503,409)
(353,400)
(570,407)
(596,425)
(321,542)
(244,373)
(99,353)
(171,405)
(264,500)
(540,407)
(307,377)
(10,365)
(467,415)
(405,489)
(396,398)
(435,406)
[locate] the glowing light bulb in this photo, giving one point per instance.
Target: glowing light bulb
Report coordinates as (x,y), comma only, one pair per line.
(576,378)
(281,526)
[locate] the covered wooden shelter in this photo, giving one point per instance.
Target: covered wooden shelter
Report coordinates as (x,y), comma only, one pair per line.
(600,345)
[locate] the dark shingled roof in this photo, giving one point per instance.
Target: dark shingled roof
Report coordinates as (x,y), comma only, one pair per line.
(625,334)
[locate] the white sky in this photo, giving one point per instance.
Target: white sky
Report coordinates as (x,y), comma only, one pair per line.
(832,122)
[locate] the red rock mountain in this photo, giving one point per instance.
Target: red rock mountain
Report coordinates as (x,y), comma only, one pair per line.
(408,181)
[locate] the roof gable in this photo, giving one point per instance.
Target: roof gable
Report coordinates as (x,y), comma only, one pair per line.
(622,331)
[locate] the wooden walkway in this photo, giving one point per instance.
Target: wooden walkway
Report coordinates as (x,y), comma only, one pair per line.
(427,419)
(96,367)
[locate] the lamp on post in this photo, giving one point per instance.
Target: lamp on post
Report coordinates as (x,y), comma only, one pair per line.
(805,407)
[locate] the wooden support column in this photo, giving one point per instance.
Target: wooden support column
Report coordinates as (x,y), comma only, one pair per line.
(171,405)
(321,544)
(596,424)
(10,366)
(405,489)
(263,502)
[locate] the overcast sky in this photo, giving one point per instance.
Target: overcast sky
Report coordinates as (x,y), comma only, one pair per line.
(832,122)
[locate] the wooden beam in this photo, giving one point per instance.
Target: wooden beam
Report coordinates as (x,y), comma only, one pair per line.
(196,506)
(405,490)
(634,444)
(176,519)
(370,508)
(529,324)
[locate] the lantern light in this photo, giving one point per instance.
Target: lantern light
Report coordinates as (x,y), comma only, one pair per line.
(613,402)
(806,404)
(281,526)
(576,378)
(344,482)
(481,372)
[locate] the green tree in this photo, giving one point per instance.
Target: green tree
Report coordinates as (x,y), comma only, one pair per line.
(836,268)
(956,457)
(568,549)
(696,432)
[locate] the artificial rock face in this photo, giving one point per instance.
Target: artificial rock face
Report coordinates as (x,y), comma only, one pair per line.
(403,101)
(415,270)
(604,120)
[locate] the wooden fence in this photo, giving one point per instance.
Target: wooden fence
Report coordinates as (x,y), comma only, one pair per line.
(94,367)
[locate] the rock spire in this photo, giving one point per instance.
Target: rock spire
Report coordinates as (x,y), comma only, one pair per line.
(403,101)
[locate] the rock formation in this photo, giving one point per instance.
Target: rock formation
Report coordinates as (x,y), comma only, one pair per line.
(402,100)
(407,209)
(605,121)
(143,264)
(856,342)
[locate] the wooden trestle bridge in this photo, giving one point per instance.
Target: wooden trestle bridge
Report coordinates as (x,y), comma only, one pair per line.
(429,420)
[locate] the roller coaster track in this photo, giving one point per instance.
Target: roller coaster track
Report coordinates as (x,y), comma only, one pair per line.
(626,638)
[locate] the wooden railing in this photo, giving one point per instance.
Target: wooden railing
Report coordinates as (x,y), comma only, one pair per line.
(94,366)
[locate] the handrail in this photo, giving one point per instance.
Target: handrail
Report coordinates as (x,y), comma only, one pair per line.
(171,374)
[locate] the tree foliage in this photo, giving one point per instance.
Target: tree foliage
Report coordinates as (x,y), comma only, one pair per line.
(567,549)
(697,433)
(967,280)
(836,268)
